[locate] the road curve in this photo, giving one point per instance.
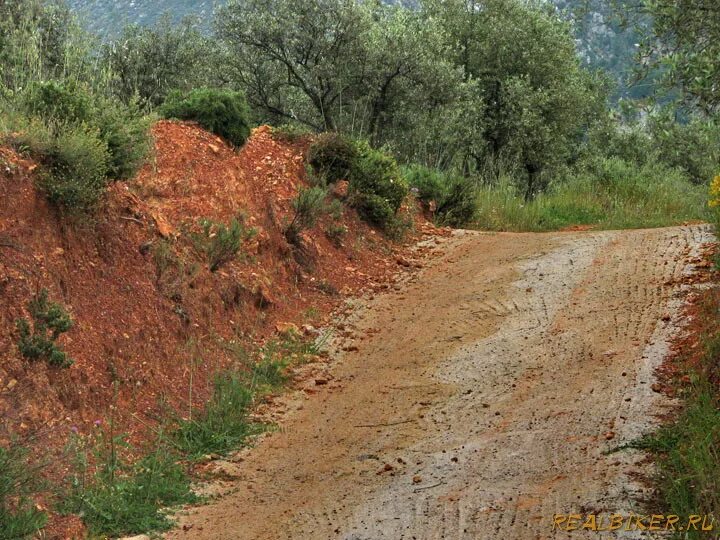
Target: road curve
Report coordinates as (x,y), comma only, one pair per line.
(481,399)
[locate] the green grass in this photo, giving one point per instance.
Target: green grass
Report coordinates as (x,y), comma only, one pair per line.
(688,456)
(610,195)
(120,499)
(116,493)
(19,481)
(225,424)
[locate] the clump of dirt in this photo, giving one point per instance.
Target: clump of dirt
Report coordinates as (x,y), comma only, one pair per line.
(149,314)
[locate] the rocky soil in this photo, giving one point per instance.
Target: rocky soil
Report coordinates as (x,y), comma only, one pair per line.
(476,400)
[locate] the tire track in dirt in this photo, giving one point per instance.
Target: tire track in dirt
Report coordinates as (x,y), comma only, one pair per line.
(485,402)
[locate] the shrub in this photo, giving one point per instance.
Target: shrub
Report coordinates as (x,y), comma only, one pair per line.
(58,103)
(455,196)
(82,140)
(631,143)
(309,205)
(459,205)
(429,184)
(222,112)
(123,128)
(50,320)
(74,162)
(332,157)
(376,173)
(375,209)
(125,132)
(19,518)
(77,164)
(220,243)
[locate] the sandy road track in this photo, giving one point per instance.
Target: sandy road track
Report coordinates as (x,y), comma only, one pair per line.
(481,400)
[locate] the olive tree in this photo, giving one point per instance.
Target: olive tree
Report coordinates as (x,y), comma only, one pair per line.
(364,68)
(536,98)
(149,62)
(685,42)
(296,59)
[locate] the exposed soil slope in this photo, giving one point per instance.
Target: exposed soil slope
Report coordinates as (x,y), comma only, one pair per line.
(481,398)
(145,329)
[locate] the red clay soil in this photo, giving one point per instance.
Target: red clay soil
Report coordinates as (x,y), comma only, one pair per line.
(135,326)
(700,315)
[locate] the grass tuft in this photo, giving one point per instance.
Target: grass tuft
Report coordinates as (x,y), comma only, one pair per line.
(19,518)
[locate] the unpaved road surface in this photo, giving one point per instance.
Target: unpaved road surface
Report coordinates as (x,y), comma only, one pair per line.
(482,398)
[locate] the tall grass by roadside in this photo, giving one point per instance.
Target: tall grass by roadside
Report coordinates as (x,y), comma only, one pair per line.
(608,194)
(225,424)
(118,494)
(19,481)
(688,449)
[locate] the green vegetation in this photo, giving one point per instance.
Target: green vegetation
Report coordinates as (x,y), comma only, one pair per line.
(452,198)
(118,493)
(490,95)
(82,140)
(19,518)
(116,497)
(685,44)
(331,157)
(224,424)
(376,186)
(220,243)
(687,448)
(609,194)
(49,321)
(309,206)
(147,63)
(55,105)
(481,108)
(223,112)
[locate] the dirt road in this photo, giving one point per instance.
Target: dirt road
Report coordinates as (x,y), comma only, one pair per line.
(481,400)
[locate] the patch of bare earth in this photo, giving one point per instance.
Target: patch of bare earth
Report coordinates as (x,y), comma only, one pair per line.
(477,400)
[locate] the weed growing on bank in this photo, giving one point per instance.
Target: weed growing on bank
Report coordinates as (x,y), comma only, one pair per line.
(38,338)
(19,482)
(116,496)
(225,424)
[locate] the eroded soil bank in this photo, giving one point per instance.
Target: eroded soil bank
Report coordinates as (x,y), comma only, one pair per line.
(477,400)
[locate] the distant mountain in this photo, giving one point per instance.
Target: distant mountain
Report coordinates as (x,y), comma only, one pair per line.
(602,43)
(107,17)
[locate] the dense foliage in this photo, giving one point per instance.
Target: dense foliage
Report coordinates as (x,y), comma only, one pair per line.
(221,111)
(55,104)
(685,42)
(147,63)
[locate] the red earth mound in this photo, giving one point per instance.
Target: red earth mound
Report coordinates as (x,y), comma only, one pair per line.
(145,304)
